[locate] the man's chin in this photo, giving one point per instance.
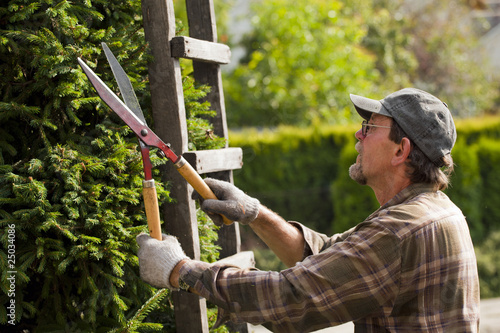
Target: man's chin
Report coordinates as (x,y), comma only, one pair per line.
(356,173)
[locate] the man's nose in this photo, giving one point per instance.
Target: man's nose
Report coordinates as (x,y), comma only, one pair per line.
(359,135)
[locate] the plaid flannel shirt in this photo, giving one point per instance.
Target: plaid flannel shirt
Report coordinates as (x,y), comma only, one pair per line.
(410,266)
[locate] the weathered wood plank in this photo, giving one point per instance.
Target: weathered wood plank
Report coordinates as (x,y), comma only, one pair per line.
(202,25)
(201,19)
(170,125)
(210,74)
(229,235)
(200,50)
(205,161)
(244,259)
(190,312)
(167,96)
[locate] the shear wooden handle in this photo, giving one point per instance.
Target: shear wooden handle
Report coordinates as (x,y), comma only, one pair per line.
(193,178)
(152,210)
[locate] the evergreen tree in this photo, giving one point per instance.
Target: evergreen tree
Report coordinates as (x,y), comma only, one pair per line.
(70,171)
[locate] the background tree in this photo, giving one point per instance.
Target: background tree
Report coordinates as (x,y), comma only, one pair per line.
(433,46)
(303,58)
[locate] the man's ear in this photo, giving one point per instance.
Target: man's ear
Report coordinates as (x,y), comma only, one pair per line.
(402,153)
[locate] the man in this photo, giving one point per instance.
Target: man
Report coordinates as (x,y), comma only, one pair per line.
(410,266)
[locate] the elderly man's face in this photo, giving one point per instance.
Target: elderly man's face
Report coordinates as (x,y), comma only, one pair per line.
(373,149)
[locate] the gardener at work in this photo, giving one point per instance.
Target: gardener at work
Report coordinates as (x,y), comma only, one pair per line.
(410,266)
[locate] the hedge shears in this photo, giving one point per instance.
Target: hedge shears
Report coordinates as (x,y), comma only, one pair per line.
(131,113)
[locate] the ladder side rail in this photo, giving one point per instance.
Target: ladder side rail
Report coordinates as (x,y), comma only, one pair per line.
(170,124)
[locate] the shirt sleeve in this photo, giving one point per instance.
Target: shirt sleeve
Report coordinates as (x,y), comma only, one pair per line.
(316,242)
(353,278)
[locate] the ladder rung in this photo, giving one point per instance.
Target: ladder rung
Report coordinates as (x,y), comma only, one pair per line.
(202,50)
(205,161)
(244,259)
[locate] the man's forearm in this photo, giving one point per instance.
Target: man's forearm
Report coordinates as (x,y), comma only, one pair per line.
(285,240)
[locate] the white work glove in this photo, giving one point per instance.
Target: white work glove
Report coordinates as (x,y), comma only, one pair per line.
(233,203)
(157,259)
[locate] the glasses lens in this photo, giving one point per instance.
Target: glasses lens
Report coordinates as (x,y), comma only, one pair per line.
(364,127)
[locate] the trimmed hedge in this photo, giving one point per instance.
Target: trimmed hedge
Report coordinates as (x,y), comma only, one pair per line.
(302,173)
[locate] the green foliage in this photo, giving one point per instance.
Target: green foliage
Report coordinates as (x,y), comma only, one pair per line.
(489,155)
(482,200)
(70,170)
(70,178)
(473,131)
(432,46)
(388,38)
(302,58)
(76,210)
(488,259)
(135,324)
(447,56)
(266,260)
(474,182)
(44,95)
(466,185)
(200,130)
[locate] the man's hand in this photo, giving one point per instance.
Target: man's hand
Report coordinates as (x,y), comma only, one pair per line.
(233,203)
(157,259)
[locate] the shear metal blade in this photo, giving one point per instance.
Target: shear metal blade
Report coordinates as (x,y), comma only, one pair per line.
(130,99)
(139,127)
(124,84)
(113,101)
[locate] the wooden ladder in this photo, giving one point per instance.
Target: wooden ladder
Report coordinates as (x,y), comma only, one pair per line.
(170,125)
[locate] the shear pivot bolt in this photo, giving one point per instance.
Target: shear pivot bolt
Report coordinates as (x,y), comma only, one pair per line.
(144,132)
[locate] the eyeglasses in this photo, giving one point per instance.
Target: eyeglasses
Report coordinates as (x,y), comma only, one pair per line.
(365,125)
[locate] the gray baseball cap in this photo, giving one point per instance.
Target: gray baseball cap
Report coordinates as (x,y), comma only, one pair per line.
(425,119)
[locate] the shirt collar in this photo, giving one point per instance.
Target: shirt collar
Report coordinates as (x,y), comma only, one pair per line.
(406,194)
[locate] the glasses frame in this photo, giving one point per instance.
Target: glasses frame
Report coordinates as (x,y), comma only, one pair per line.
(365,125)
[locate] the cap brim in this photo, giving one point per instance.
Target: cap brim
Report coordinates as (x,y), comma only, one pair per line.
(366,106)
